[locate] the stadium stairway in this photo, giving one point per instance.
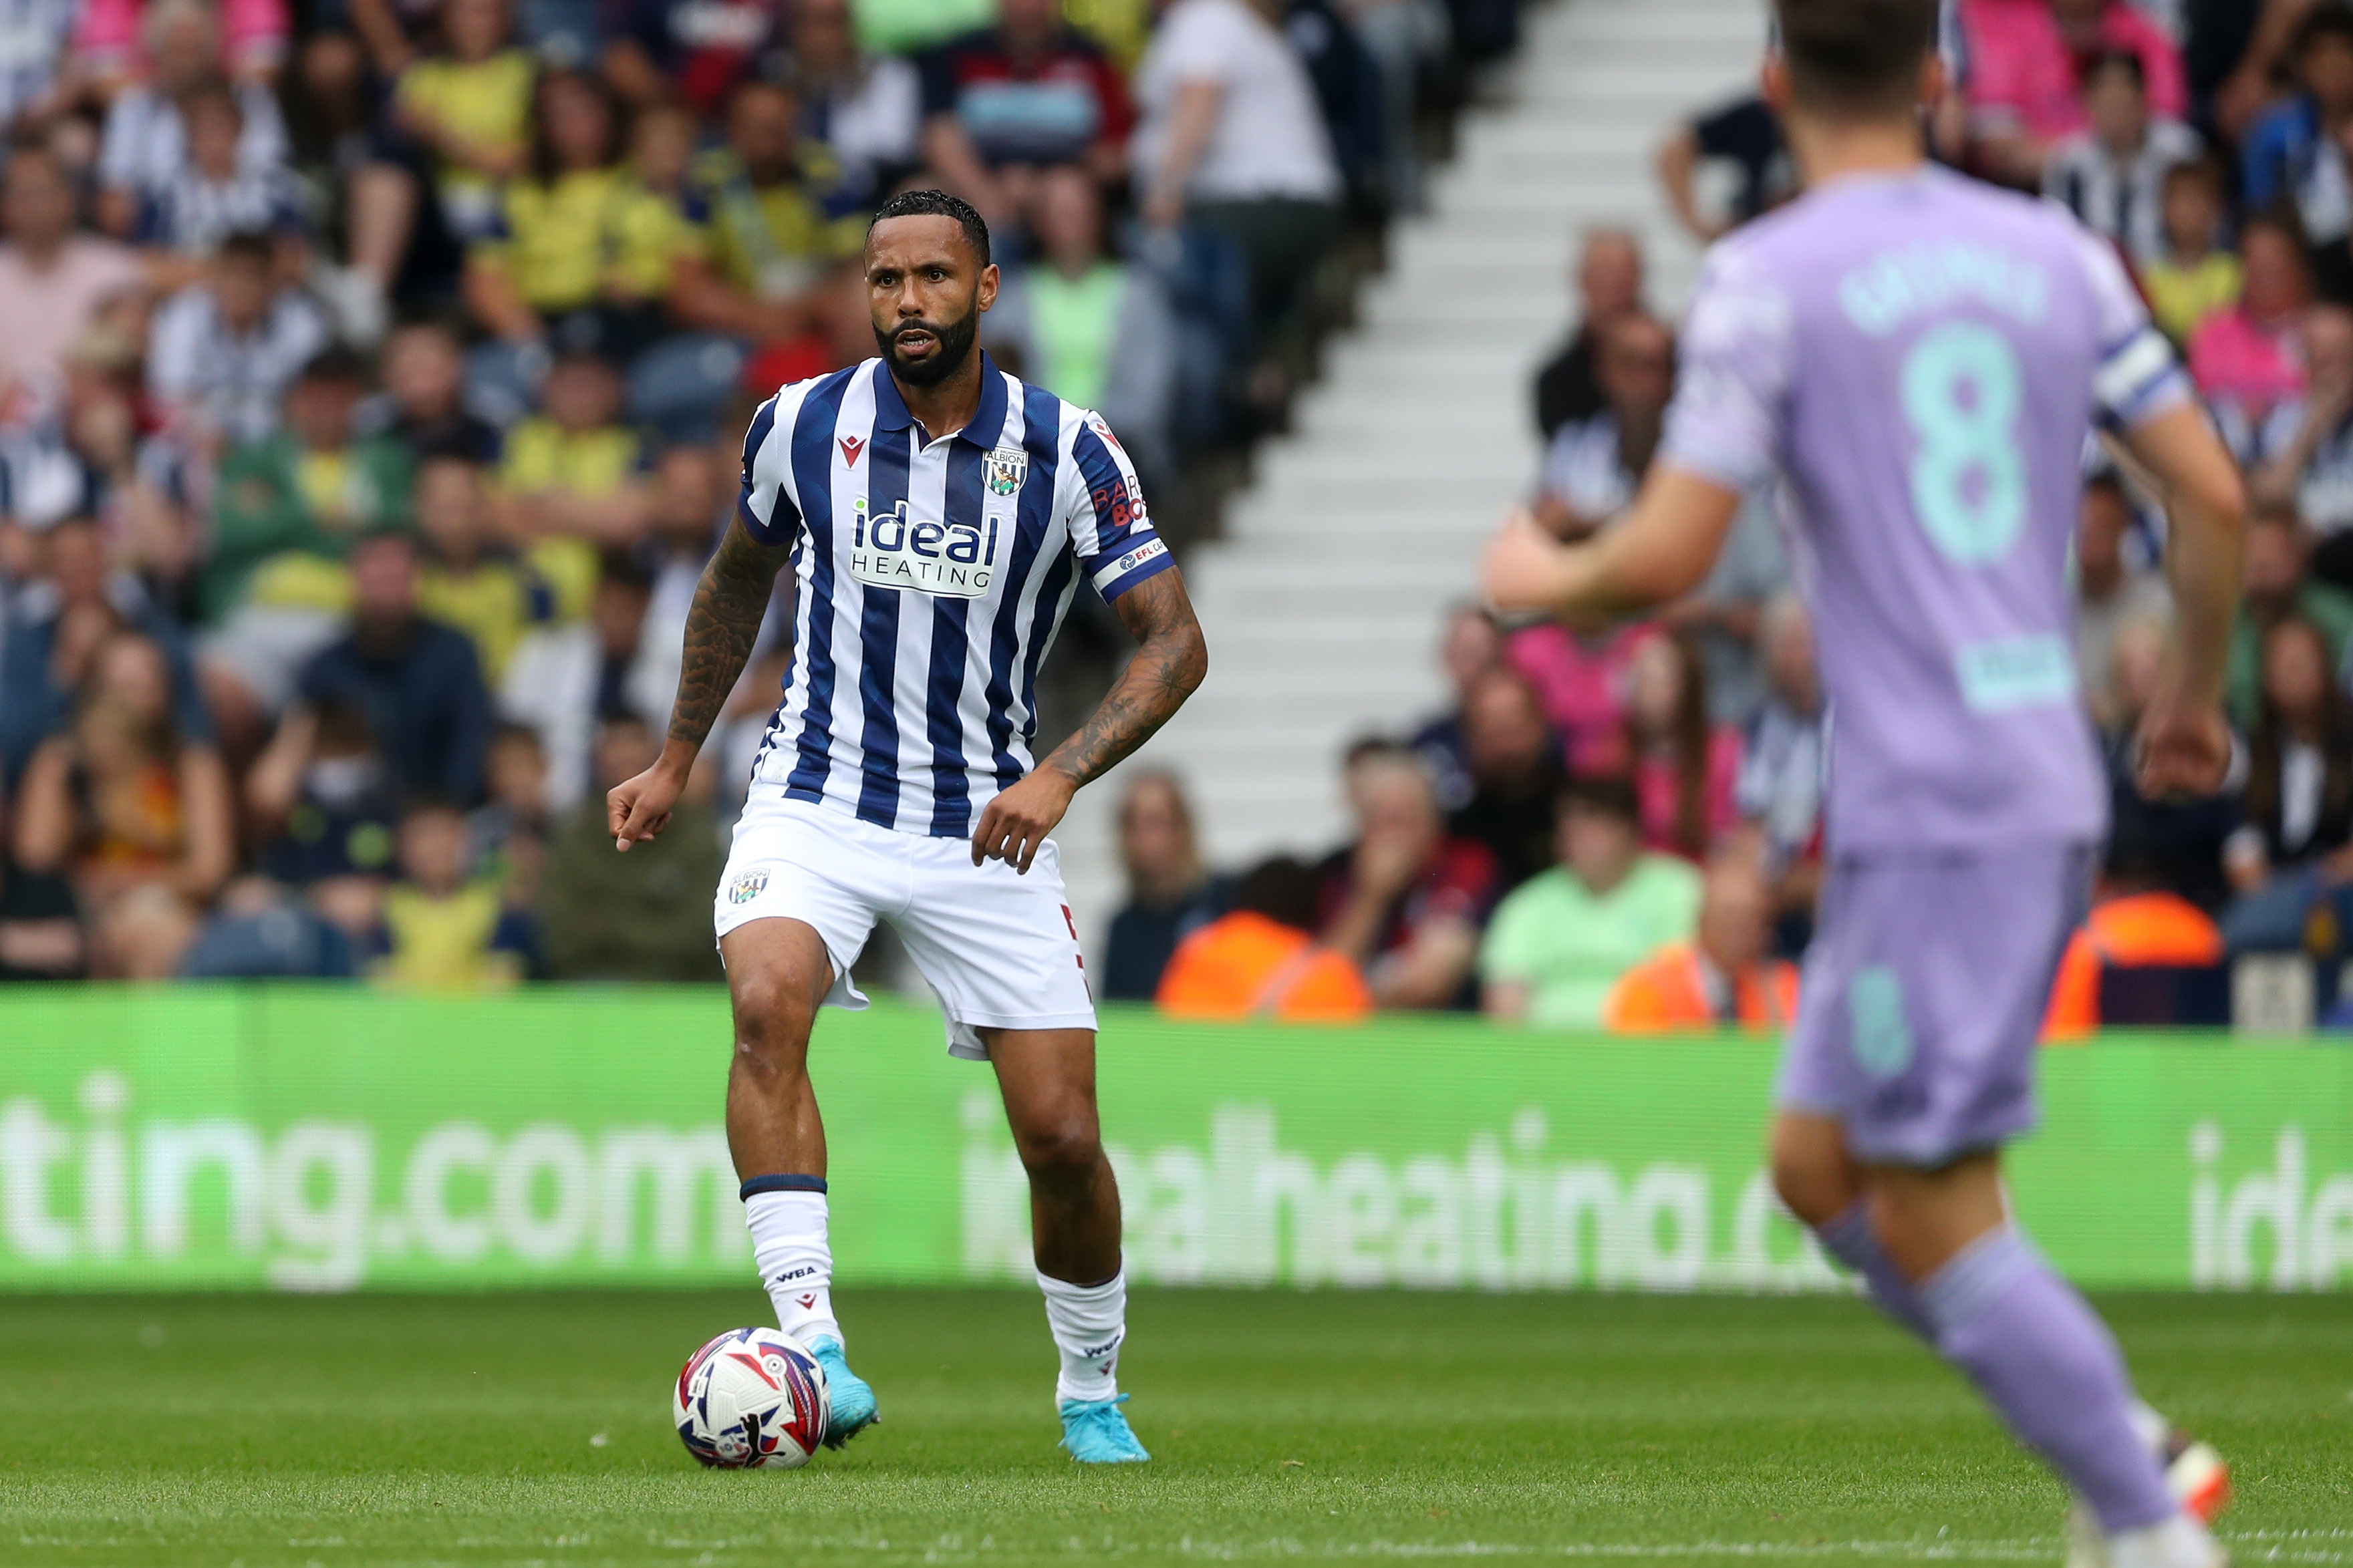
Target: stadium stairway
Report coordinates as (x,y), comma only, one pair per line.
(1323,600)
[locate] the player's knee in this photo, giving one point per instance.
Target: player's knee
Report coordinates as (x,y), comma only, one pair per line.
(1060,1146)
(1797,1180)
(1812,1174)
(773,1018)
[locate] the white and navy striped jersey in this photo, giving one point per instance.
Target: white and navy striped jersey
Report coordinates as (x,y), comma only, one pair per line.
(932,577)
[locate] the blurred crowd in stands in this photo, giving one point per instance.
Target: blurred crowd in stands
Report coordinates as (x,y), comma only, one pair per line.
(1624,830)
(371,374)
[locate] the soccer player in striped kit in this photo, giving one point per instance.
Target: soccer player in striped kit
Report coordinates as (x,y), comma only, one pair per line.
(938,515)
(1918,360)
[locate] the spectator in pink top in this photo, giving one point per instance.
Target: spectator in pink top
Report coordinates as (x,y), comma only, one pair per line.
(53,279)
(2026,59)
(1684,769)
(1581,681)
(110,42)
(2245,360)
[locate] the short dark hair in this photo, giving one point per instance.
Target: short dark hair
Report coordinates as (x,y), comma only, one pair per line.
(214,89)
(1283,889)
(1604,794)
(2195,170)
(2123,60)
(425,802)
(337,363)
(26,149)
(938,204)
(248,245)
(2329,20)
(620,569)
(616,717)
(449,447)
(2281,218)
(578,354)
(442,323)
(383,534)
(776,85)
(1858,58)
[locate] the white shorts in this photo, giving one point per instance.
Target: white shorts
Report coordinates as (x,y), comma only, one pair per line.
(999,948)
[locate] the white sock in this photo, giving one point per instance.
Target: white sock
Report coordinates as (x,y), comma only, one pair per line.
(2178,1542)
(796,1263)
(1088,1322)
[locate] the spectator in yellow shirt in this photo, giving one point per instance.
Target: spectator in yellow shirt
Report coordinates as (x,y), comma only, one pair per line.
(771,219)
(468,581)
(444,929)
(773,225)
(2193,277)
(574,480)
(581,254)
(470,106)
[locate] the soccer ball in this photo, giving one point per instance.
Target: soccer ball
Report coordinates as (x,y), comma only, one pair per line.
(752,1398)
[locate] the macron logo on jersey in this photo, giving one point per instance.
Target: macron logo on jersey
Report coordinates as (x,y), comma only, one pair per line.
(892,550)
(850,447)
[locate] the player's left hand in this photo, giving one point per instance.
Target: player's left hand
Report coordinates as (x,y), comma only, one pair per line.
(1523,568)
(1014,825)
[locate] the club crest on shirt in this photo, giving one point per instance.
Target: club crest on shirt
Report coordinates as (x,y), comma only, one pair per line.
(1007,467)
(749,885)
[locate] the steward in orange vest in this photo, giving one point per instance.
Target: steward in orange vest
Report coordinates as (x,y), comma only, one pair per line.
(1720,979)
(1261,961)
(1678,988)
(2135,924)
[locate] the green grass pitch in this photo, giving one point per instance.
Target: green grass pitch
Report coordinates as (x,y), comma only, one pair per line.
(533,1430)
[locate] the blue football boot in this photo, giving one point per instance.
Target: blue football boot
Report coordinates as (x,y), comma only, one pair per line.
(853,1396)
(1095,1433)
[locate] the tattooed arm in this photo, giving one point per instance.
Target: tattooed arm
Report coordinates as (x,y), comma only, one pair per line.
(1164,672)
(729,605)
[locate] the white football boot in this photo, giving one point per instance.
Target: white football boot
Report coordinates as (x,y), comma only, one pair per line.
(2179,1542)
(2201,1483)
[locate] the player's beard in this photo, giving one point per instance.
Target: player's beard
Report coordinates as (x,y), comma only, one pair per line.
(955,340)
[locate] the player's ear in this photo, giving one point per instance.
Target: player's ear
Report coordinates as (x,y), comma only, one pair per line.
(986,295)
(1773,82)
(1932,79)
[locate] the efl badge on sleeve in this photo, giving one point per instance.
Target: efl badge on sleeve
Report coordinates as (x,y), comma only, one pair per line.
(1008,467)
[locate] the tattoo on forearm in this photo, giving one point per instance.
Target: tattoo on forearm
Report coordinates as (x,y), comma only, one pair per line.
(729,605)
(1164,671)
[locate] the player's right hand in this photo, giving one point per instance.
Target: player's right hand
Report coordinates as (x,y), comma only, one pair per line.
(1521,569)
(2185,750)
(639,808)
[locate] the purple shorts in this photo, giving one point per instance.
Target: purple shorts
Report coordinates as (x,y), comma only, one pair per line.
(1924,995)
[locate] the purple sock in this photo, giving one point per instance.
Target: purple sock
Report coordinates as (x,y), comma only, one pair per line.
(2048,1366)
(1851,1240)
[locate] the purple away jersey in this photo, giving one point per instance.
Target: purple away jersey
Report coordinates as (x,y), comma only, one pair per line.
(1920,358)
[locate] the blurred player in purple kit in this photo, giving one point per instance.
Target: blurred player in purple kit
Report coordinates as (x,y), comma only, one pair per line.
(1919,359)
